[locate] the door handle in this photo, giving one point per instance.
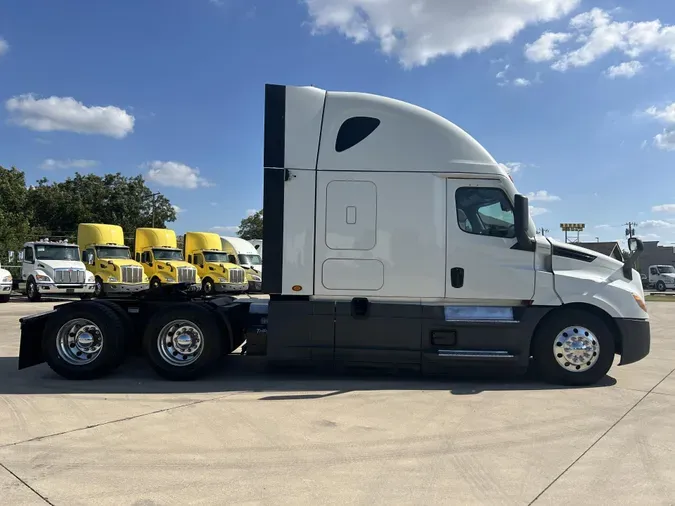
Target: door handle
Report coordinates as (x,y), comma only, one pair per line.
(457,277)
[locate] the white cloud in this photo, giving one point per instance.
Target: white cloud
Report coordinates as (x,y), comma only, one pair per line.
(604,226)
(599,35)
(626,69)
(521,81)
(67,114)
(4,46)
(251,212)
(654,224)
(50,164)
(178,209)
(536,211)
(512,167)
(417,32)
(233,229)
(667,114)
(174,174)
(545,48)
(664,208)
(542,196)
(665,140)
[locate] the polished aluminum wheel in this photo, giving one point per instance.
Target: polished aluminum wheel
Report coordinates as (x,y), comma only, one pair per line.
(79,342)
(180,342)
(576,349)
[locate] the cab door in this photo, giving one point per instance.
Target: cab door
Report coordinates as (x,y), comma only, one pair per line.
(484,264)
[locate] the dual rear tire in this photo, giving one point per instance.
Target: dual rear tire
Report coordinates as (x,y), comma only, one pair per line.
(87,340)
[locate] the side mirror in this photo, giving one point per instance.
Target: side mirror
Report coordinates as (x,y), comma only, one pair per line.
(521,218)
(635,247)
(90,258)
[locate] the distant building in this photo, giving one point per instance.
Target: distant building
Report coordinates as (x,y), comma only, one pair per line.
(654,254)
(611,249)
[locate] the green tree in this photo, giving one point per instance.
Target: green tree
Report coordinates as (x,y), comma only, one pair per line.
(111,198)
(14,212)
(251,227)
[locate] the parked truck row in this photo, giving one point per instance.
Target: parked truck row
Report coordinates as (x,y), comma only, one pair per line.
(351,180)
(101,265)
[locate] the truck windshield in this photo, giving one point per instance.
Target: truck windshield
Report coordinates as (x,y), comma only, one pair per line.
(167,254)
(250,260)
(666,269)
(54,252)
(216,257)
(112,252)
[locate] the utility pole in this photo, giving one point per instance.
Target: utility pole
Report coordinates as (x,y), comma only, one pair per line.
(543,231)
(630,231)
(153,207)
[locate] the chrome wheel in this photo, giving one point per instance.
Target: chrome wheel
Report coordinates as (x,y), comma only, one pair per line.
(79,342)
(180,342)
(576,349)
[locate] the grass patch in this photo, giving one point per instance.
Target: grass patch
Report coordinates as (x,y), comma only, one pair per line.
(660,298)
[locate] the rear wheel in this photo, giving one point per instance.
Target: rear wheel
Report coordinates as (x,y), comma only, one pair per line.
(183,342)
(573,347)
(661,286)
(84,340)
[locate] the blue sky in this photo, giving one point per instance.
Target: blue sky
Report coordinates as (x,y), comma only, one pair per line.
(576,96)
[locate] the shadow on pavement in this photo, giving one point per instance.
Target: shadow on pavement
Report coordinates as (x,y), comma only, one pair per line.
(249,374)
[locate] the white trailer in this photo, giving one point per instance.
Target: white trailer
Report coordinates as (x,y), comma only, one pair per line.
(394,240)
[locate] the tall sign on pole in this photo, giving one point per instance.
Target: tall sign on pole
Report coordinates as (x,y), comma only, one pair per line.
(572,227)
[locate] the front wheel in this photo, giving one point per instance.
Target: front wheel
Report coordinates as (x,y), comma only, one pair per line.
(32,291)
(661,286)
(183,342)
(573,347)
(98,288)
(155,283)
(207,286)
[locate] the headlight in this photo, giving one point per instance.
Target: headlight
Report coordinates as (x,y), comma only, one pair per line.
(112,279)
(222,280)
(43,278)
(256,278)
(146,279)
(7,279)
(169,279)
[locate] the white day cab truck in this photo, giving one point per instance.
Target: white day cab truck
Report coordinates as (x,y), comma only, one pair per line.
(54,269)
(661,277)
(350,181)
(5,285)
(244,254)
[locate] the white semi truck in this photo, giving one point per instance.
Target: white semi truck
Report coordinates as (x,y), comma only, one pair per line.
(5,284)
(661,277)
(351,180)
(54,269)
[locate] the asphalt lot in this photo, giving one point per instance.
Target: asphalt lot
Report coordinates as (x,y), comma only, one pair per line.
(245,437)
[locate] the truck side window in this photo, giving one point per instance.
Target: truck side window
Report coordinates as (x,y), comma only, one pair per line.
(485,211)
(28,255)
(654,270)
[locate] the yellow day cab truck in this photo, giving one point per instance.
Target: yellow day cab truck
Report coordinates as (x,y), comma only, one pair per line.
(109,260)
(203,250)
(157,251)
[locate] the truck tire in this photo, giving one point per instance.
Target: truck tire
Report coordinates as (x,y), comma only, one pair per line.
(207,286)
(661,286)
(155,283)
(83,340)
(32,291)
(4,298)
(183,342)
(573,347)
(127,322)
(98,288)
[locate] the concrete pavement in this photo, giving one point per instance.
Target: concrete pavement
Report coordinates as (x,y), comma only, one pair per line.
(246,437)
